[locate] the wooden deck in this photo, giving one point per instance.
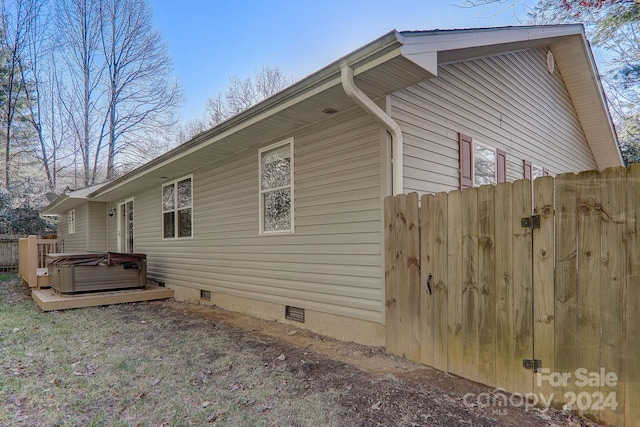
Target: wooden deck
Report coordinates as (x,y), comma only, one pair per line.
(49,300)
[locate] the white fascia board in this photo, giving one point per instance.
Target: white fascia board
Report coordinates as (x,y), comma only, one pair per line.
(427,60)
(439,41)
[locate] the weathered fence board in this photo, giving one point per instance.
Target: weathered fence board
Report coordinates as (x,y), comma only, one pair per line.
(632,311)
(486,285)
(428,257)
(454,283)
(402,276)
(566,323)
(612,285)
(472,292)
(439,286)
(470,283)
(543,298)
(588,250)
(390,274)
(522,291)
(413,269)
(9,252)
(504,289)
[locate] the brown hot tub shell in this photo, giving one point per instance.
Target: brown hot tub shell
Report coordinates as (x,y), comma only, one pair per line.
(96,271)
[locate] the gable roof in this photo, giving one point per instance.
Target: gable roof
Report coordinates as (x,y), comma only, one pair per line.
(71,199)
(387,64)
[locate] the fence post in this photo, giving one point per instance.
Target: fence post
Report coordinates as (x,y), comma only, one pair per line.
(32,267)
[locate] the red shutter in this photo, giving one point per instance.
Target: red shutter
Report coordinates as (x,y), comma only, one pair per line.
(466,161)
(501,165)
(528,172)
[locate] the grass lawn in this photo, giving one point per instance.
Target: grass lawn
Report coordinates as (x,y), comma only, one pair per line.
(133,364)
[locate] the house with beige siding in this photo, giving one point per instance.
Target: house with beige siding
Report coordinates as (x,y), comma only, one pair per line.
(278,212)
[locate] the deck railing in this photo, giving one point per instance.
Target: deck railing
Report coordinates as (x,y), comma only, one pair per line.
(33,260)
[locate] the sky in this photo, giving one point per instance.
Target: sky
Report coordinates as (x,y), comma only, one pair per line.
(212,40)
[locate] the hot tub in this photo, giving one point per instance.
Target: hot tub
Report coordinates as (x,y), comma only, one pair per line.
(71,273)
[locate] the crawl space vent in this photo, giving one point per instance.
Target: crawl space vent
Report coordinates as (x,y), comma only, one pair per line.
(294,313)
(205,295)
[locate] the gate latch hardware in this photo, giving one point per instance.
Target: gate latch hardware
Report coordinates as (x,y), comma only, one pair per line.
(534,365)
(532,221)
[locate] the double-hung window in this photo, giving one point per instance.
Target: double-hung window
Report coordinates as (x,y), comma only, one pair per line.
(276,188)
(71,217)
(177,208)
(480,164)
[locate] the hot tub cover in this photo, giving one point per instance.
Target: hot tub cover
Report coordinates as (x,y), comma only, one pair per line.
(95,258)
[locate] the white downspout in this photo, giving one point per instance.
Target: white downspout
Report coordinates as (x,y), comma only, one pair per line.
(392,127)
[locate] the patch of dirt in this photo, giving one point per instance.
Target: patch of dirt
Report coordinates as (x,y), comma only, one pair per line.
(373,388)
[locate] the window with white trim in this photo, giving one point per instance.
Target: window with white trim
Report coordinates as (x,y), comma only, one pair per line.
(276,188)
(177,208)
(71,216)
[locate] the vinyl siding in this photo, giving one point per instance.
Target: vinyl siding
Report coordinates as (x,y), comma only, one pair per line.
(509,101)
(62,233)
(332,263)
(97,214)
(76,242)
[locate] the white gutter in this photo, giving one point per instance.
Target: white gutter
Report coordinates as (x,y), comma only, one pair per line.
(392,127)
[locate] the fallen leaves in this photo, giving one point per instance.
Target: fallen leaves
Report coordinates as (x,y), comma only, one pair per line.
(377,406)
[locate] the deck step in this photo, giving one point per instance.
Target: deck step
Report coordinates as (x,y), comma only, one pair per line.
(49,300)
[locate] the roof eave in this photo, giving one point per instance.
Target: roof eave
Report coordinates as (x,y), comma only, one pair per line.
(589,100)
(427,49)
(326,77)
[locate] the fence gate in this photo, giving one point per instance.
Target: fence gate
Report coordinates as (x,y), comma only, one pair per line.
(537,293)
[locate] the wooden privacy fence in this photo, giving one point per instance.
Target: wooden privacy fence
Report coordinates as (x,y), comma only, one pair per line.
(9,252)
(478,286)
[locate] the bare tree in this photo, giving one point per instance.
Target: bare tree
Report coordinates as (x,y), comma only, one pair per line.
(239,95)
(78,26)
(139,92)
(34,74)
(16,17)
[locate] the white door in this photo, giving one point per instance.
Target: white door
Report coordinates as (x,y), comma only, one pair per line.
(125,226)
